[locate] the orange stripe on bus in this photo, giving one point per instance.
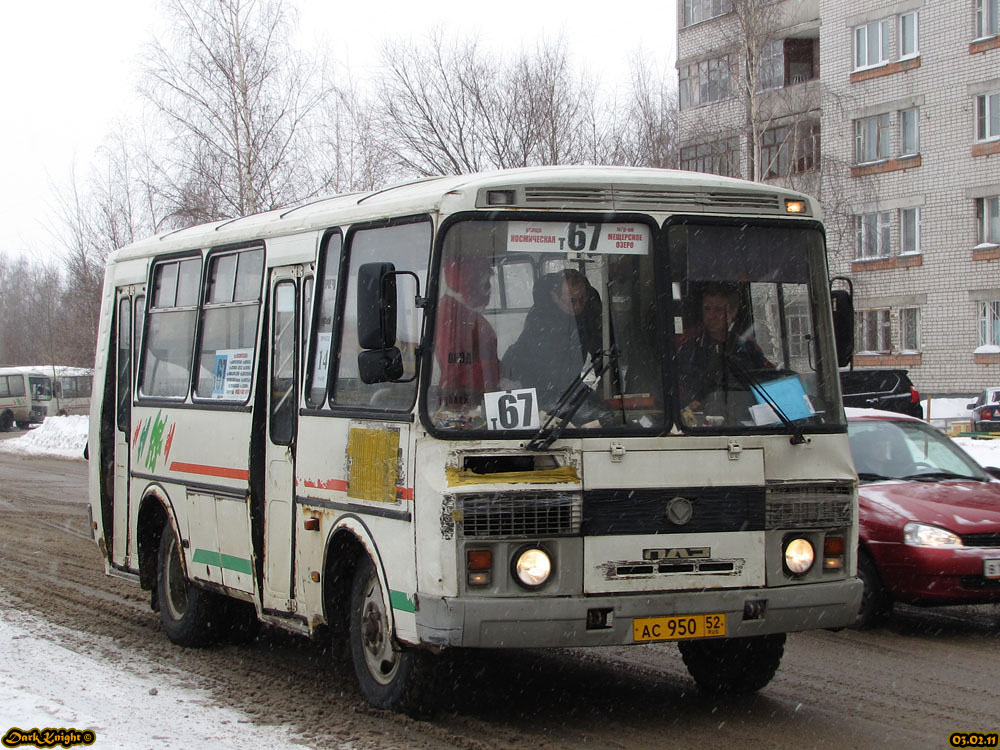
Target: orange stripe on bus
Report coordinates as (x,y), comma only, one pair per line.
(210,471)
(342,485)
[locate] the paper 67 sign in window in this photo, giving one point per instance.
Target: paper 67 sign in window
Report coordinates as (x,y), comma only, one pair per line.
(512,410)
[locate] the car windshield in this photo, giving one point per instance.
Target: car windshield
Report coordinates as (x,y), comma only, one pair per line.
(544,326)
(904,449)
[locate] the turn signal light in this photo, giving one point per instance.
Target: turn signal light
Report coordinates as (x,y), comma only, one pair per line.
(833,553)
(479,563)
(795,206)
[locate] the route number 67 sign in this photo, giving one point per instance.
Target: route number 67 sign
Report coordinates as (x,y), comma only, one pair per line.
(512,410)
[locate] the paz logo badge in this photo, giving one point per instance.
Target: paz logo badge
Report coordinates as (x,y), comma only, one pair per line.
(679,511)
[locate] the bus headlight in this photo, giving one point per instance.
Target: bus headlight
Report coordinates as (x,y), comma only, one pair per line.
(799,555)
(532,567)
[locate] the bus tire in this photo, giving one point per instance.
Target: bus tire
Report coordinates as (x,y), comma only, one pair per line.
(391,678)
(6,421)
(190,615)
(876,603)
(733,666)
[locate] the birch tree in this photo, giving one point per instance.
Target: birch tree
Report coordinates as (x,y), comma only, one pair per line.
(238,103)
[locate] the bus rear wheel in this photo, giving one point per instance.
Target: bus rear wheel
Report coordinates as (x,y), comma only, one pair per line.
(733,666)
(6,421)
(391,677)
(190,615)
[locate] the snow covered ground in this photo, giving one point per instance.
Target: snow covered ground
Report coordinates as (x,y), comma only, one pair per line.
(131,704)
(51,678)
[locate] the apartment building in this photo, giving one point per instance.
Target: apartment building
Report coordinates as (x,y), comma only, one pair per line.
(890,113)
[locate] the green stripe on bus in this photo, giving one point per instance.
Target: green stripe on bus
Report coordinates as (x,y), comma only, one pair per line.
(219,560)
(401,601)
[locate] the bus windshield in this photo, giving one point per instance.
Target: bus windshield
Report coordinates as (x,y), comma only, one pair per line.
(41,388)
(603,326)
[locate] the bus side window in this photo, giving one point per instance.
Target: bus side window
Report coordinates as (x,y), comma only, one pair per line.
(407,247)
(173,312)
(324,307)
(229,325)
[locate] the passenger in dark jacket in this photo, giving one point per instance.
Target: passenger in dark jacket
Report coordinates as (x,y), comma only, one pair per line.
(708,361)
(561,332)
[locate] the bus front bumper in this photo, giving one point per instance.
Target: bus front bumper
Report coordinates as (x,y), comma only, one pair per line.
(536,622)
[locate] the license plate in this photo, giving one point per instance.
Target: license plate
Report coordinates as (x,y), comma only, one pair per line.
(678,628)
(991,568)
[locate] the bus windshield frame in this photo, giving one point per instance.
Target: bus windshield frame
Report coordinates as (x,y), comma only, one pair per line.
(638,313)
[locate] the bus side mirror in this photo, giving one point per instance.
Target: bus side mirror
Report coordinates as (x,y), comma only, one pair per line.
(377,305)
(843,325)
(380,365)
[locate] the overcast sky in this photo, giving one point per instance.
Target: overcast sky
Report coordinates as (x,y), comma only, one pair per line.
(69,70)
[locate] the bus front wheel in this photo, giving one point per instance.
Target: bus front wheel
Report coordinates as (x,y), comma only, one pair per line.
(733,666)
(190,615)
(391,677)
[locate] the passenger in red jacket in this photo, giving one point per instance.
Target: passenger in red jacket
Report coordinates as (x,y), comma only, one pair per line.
(465,344)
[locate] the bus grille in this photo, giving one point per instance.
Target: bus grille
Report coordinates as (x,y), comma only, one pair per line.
(809,506)
(654,199)
(519,515)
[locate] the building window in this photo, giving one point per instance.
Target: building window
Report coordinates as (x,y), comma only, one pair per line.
(909,329)
(871,44)
(696,11)
(772,66)
(908,35)
(987,15)
(873,235)
(989,323)
(871,138)
(787,149)
(719,157)
(988,213)
(988,116)
(704,82)
(874,331)
(909,132)
(774,152)
(909,231)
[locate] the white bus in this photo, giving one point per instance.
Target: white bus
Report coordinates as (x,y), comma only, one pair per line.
(16,399)
(364,419)
(71,387)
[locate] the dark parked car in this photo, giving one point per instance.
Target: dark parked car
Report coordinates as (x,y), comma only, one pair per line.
(986,411)
(929,517)
(890,390)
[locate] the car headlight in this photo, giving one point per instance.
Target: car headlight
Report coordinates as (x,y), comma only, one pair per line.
(799,555)
(532,567)
(924,535)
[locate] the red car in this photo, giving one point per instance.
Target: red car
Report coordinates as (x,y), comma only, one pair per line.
(929,517)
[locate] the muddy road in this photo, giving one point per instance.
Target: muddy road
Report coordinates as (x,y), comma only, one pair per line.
(911,683)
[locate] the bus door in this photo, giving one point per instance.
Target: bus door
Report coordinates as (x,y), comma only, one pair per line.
(282,418)
(128,311)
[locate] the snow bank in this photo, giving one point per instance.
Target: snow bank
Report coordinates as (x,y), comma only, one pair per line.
(65,437)
(52,678)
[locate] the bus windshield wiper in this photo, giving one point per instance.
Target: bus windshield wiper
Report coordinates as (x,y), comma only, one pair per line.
(868,476)
(754,384)
(569,403)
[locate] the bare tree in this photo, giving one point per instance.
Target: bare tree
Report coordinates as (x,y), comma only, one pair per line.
(645,133)
(238,102)
(448,107)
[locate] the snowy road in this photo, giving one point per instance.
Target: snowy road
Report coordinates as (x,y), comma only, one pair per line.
(79,648)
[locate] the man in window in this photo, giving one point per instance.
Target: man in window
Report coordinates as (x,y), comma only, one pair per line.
(712,359)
